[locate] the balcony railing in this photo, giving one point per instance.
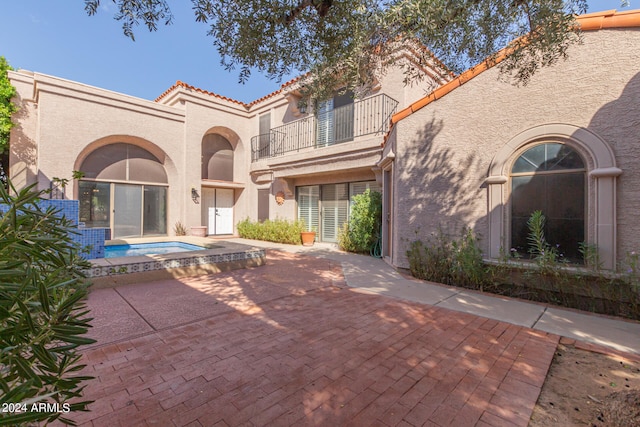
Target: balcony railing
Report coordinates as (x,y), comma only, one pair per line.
(368,116)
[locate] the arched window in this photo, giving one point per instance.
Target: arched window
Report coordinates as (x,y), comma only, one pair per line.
(123,162)
(217,158)
(124,188)
(597,166)
(549,177)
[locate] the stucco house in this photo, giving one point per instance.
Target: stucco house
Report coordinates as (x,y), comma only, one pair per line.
(484,154)
(198,158)
(477,151)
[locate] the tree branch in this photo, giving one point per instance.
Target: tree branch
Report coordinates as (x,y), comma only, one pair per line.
(321,6)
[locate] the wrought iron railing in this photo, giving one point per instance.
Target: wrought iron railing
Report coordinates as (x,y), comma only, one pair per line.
(364,117)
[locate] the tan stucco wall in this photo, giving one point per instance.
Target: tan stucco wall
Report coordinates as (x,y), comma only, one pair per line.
(67,120)
(61,122)
(203,117)
(444,150)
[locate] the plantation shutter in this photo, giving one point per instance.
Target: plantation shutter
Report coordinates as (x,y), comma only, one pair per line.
(264,135)
(343,117)
(325,123)
(335,210)
(308,201)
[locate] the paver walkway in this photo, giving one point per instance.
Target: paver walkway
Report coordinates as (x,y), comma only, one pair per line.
(291,344)
(374,276)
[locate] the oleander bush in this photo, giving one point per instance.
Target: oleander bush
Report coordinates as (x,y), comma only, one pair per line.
(277,230)
(43,317)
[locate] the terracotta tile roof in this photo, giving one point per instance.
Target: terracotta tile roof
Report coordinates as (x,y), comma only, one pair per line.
(195,89)
(206,92)
(294,80)
(589,22)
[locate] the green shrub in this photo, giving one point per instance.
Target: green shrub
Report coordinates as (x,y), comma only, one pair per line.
(42,314)
(546,278)
(278,230)
(450,261)
(363,228)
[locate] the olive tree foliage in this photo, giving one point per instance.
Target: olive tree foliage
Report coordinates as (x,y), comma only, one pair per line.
(353,41)
(7,108)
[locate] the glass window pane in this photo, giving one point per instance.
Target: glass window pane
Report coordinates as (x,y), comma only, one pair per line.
(144,166)
(127,211)
(530,160)
(548,157)
(523,165)
(568,200)
(335,210)
(95,199)
(147,170)
(155,210)
(108,163)
(123,162)
(561,198)
(308,206)
(566,158)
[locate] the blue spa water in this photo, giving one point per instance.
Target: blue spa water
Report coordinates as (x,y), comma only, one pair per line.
(148,249)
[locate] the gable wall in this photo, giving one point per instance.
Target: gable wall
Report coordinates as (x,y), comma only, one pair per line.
(444,150)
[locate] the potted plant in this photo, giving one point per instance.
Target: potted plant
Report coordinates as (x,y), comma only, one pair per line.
(308,237)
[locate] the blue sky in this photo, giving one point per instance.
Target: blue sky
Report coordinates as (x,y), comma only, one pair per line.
(58,38)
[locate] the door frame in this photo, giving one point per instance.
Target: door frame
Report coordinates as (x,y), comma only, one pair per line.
(209,201)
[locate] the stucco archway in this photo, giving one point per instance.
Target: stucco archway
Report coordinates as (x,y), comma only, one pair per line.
(124,188)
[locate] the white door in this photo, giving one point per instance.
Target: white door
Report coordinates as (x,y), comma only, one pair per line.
(217,208)
(224,211)
(209,209)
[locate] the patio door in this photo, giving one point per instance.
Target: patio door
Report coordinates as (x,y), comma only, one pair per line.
(335,210)
(138,210)
(127,210)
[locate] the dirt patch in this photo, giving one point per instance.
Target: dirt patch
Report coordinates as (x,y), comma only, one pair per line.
(588,388)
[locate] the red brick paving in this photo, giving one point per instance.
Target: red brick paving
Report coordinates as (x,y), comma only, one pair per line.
(289,344)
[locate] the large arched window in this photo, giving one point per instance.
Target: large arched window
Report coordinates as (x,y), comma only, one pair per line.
(123,162)
(217,158)
(598,169)
(549,177)
(124,188)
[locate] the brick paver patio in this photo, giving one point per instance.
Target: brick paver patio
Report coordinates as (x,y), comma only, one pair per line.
(288,344)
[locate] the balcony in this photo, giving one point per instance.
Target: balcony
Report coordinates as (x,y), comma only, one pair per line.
(369,116)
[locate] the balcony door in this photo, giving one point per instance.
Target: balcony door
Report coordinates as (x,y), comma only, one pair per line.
(335,120)
(264,136)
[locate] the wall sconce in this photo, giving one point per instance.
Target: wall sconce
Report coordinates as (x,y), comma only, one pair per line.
(195,196)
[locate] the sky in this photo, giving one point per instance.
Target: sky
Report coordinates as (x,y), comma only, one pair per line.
(58,38)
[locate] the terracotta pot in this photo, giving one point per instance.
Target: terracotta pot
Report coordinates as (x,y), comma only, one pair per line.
(199,231)
(308,237)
